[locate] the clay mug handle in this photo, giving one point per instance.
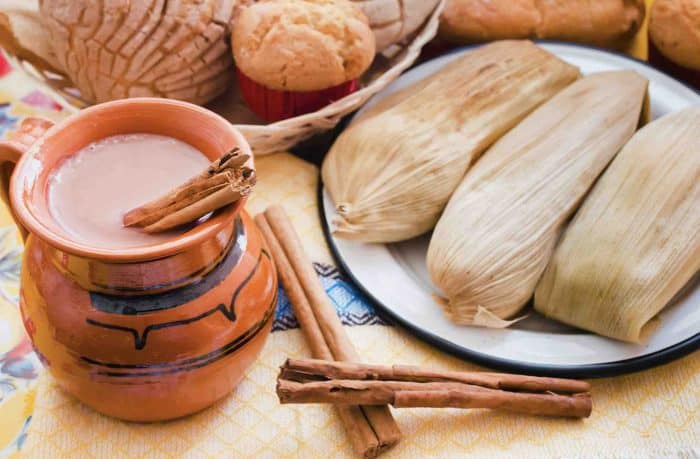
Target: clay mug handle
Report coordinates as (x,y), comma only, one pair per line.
(11,150)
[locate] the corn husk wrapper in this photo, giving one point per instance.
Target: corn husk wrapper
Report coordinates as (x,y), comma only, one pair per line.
(500,227)
(636,240)
(391,172)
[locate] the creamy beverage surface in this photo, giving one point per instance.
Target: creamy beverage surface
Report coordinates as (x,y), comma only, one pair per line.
(91,191)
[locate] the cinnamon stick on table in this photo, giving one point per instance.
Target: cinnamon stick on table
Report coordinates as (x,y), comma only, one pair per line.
(371,429)
(325,370)
(317,381)
(359,431)
(223,182)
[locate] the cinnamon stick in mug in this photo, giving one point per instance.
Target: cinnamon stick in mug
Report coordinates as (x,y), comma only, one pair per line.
(223,182)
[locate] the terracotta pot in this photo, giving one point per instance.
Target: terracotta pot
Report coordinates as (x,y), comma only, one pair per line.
(148,333)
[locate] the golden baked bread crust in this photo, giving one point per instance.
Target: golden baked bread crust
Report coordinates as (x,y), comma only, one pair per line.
(302,45)
(674,27)
(598,22)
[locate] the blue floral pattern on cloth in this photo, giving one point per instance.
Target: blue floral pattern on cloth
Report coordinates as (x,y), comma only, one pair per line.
(352,306)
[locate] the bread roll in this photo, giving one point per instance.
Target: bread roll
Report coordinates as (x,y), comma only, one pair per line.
(126,48)
(598,22)
(674,28)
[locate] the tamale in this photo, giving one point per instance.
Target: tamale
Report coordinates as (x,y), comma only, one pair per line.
(500,227)
(391,172)
(635,242)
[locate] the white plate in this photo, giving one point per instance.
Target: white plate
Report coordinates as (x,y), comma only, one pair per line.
(396,278)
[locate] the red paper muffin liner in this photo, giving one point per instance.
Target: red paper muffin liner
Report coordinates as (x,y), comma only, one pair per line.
(661,62)
(272,105)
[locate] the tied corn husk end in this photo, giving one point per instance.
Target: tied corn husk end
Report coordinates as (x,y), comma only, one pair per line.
(635,242)
(476,315)
(494,289)
(393,170)
(342,228)
(500,228)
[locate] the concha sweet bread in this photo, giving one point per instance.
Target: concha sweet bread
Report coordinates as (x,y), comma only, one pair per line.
(124,48)
(394,20)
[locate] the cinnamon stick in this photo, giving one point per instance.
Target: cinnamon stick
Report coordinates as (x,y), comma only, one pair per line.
(404,394)
(202,206)
(178,199)
(324,315)
(312,369)
(228,161)
(223,182)
(361,435)
(319,381)
(338,342)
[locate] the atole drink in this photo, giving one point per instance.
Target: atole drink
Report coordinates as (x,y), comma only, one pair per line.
(90,191)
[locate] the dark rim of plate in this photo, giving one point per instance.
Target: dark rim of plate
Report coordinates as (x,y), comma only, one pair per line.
(597,370)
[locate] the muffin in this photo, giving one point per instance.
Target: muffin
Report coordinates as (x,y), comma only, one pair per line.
(297,56)
(674,32)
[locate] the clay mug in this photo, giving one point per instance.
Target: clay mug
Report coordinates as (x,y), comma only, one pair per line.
(148,333)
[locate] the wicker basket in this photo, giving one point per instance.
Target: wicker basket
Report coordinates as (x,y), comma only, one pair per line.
(279,136)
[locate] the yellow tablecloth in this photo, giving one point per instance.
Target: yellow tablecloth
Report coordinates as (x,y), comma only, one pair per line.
(650,414)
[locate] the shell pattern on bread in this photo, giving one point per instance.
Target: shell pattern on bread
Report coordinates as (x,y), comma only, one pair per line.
(395,20)
(121,48)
